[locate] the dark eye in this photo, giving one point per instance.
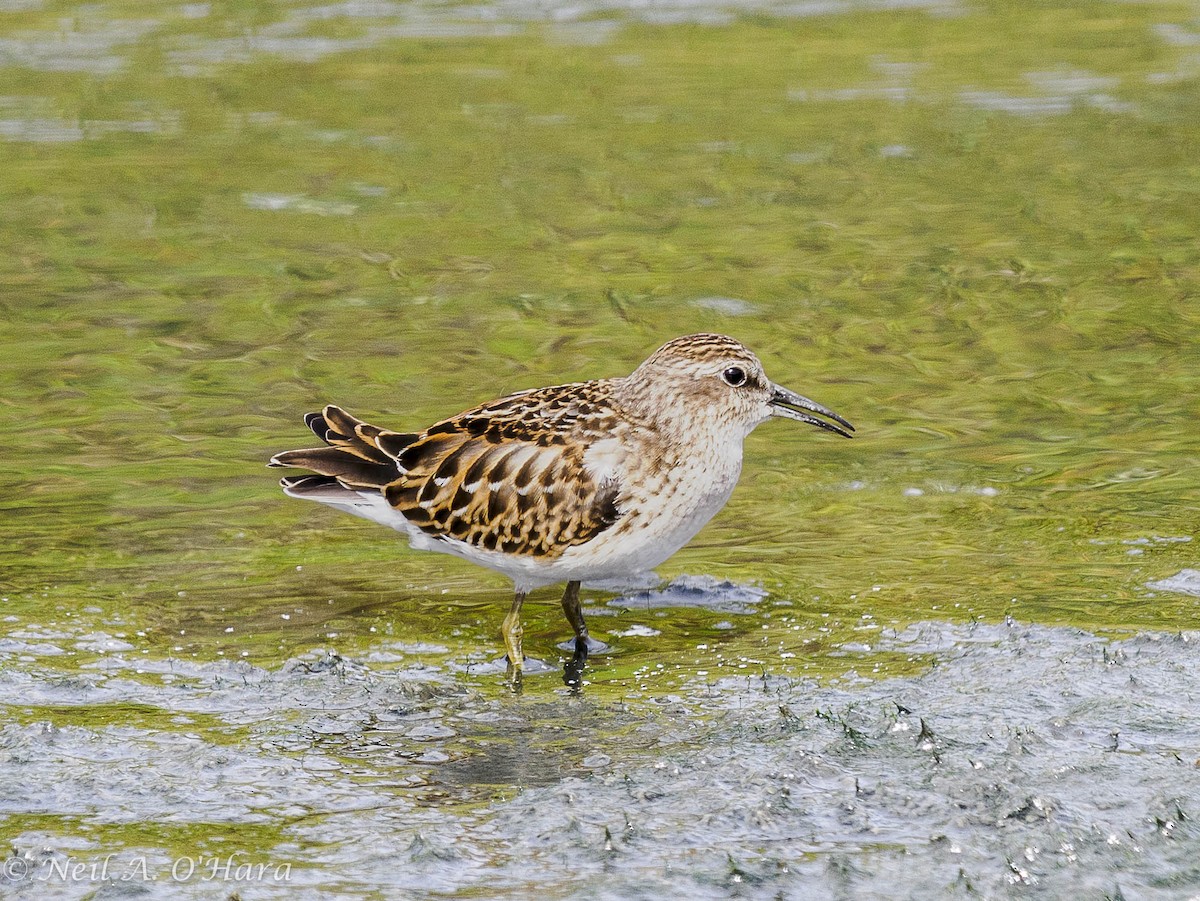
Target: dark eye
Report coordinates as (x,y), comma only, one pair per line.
(734,376)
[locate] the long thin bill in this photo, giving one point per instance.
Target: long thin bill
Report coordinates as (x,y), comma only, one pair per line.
(785,401)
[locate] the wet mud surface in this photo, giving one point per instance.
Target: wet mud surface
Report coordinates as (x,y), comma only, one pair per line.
(1024,759)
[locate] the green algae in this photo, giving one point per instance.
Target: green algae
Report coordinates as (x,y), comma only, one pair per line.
(1001,302)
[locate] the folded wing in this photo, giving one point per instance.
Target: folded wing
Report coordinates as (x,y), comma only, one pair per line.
(510,476)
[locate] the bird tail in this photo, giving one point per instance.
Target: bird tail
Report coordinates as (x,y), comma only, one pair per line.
(357,456)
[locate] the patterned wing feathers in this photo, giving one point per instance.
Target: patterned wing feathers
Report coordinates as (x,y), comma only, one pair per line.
(339,429)
(498,487)
(353,454)
(508,476)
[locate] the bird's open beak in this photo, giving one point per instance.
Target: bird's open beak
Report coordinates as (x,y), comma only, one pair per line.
(783,403)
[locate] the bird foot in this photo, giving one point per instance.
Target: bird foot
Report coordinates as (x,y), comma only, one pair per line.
(515,676)
(594,645)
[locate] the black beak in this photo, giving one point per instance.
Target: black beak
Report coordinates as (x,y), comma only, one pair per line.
(784,403)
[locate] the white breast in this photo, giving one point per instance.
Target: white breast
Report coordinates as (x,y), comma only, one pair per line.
(662,510)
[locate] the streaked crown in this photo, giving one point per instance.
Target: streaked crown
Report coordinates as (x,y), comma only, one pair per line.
(703,379)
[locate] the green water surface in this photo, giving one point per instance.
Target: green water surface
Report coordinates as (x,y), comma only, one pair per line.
(971,230)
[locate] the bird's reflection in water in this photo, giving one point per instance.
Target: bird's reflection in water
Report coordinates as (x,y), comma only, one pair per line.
(573,668)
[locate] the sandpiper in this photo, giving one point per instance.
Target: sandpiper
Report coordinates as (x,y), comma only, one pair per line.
(586,481)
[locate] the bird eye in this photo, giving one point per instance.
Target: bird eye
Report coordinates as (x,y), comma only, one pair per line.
(734,376)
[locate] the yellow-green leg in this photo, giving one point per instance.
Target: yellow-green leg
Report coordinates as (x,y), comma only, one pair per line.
(512,637)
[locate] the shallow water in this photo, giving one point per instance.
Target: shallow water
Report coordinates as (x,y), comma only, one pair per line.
(969,229)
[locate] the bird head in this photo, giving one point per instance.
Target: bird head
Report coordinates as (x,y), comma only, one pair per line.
(718,377)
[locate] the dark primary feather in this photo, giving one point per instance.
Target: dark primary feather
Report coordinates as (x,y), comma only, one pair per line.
(349,469)
(353,455)
(314,487)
